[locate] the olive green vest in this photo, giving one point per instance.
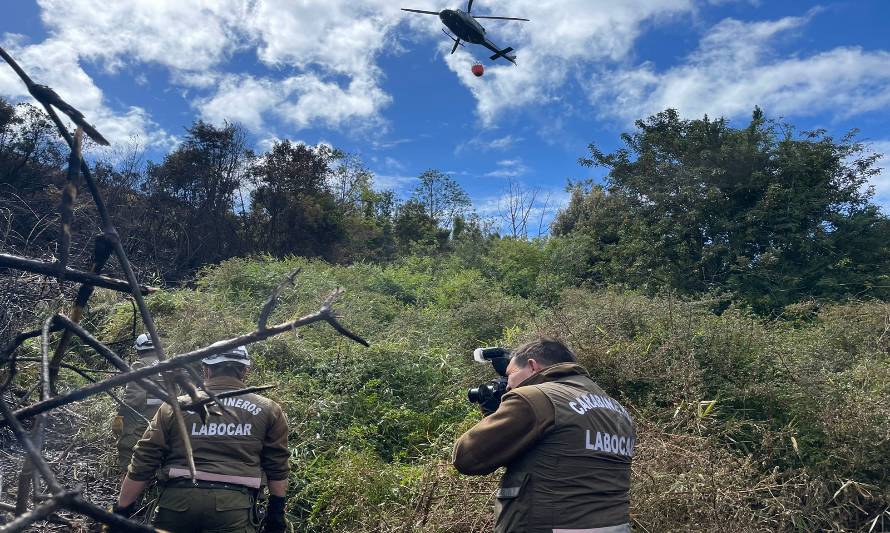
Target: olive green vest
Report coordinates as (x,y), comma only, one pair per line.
(576,479)
(139,399)
(229,447)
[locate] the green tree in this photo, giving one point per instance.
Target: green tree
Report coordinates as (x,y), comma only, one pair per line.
(768,214)
(31,153)
(193,193)
(294,210)
(415,229)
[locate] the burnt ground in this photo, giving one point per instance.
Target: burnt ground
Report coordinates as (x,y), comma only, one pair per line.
(79,447)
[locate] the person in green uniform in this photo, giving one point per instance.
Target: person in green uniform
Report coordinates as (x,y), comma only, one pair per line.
(129,426)
(232,453)
(566,445)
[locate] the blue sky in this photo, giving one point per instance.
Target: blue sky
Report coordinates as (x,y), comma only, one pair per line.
(365,77)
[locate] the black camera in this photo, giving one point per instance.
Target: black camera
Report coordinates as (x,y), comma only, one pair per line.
(493,390)
(489,394)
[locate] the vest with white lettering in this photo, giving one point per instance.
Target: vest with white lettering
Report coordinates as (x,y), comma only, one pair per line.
(577,477)
(227,447)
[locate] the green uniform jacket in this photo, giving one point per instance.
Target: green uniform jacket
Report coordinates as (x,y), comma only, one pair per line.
(236,449)
(567,447)
(131,426)
(137,397)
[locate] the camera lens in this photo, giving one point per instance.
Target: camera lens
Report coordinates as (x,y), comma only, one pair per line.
(475,395)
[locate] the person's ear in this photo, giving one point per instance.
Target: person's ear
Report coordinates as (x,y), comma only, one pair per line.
(534,365)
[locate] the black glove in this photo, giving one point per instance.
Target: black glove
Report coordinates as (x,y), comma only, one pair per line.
(275,522)
(126,512)
(498,387)
(489,406)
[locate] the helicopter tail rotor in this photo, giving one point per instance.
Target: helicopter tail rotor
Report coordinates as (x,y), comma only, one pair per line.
(505,53)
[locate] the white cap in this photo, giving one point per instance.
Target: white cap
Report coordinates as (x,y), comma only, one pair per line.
(235,355)
(143,343)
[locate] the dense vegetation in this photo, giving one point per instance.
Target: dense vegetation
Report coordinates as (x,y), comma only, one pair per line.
(728,285)
(758,212)
(767,424)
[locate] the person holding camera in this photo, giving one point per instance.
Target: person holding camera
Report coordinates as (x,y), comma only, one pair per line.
(566,445)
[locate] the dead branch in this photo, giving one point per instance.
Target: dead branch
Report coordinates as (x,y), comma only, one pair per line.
(101,252)
(30,449)
(41,512)
(51,269)
(46,96)
(99,514)
(54,519)
(106,352)
(66,209)
(323,315)
(211,396)
(72,500)
(331,318)
(269,306)
(82,372)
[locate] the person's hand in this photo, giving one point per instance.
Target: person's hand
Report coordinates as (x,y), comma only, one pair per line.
(126,512)
(275,521)
(498,387)
(490,405)
(117,426)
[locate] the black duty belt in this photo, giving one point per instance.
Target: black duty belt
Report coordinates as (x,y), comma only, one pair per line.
(186,483)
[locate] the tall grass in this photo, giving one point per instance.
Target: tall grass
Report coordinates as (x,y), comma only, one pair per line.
(745,424)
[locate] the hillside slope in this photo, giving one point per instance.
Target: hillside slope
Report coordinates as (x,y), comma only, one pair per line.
(779,425)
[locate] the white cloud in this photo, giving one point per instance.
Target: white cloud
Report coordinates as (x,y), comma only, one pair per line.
(734,69)
(562,37)
(321,55)
(313,100)
(181,35)
(399,184)
(318,61)
(242,99)
(503,143)
(53,63)
(393,163)
(300,101)
(485,142)
(508,168)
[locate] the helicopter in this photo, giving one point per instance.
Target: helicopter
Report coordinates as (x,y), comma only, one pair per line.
(467,28)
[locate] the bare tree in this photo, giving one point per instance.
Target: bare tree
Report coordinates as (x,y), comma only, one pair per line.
(515,207)
(543,212)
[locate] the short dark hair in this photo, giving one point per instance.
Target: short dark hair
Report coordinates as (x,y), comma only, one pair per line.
(228,368)
(545,350)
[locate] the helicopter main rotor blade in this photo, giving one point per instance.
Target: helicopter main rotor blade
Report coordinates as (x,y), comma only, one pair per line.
(500,18)
(421,11)
(469,5)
